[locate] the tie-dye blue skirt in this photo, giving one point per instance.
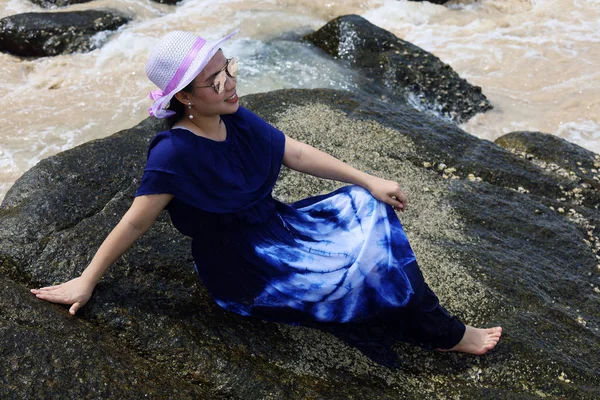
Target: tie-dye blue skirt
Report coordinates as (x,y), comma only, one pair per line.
(338,257)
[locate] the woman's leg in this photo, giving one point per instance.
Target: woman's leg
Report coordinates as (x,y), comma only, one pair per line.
(426,323)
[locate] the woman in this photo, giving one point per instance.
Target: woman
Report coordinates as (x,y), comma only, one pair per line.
(340,258)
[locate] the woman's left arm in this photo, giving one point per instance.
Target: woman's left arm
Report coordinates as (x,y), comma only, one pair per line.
(304,158)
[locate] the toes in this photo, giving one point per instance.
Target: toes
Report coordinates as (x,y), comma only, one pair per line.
(495,332)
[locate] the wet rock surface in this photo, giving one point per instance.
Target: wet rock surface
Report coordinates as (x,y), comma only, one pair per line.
(483,221)
(58,3)
(558,156)
(48,354)
(64,3)
(170,2)
(431,1)
(400,69)
(50,34)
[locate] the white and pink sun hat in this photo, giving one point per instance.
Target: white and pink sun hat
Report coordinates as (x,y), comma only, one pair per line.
(174,62)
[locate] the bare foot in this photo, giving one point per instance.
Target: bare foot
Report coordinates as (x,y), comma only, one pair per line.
(477,341)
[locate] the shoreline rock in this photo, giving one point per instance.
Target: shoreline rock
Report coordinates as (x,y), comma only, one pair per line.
(52,33)
(57,3)
(432,1)
(402,70)
(550,153)
(48,354)
(481,244)
(169,2)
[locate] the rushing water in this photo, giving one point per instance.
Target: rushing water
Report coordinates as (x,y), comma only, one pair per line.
(538,61)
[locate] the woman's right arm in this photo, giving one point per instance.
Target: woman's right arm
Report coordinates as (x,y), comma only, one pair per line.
(136,221)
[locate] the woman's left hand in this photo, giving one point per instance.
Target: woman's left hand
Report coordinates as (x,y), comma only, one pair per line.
(389,192)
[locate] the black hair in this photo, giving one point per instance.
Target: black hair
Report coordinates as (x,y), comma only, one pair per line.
(178,107)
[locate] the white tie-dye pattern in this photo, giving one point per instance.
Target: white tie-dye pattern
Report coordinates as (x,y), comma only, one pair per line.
(346,265)
(234,307)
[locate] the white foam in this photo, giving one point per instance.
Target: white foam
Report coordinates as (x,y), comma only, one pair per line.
(196,16)
(11,7)
(585,133)
(129,45)
(283,64)
(393,12)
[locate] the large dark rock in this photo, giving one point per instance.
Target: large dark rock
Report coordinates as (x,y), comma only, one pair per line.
(46,354)
(553,153)
(57,3)
(170,2)
(63,3)
(401,69)
(49,34)
(484,222)
(432,1)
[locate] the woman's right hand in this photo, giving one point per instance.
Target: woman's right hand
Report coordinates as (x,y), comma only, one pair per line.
(140,217)
(75,292)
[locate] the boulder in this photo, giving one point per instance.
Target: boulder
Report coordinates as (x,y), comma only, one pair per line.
(556,154)
(432,1)
(57,3)
(49,34)
(64,3)
(170,2)
(399,69)
(47,354)
(485,224)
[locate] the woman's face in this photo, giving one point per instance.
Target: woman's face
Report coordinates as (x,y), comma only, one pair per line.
(205,99)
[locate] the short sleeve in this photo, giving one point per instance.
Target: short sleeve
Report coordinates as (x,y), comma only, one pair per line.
(157,177)
(156,182)
(217,177)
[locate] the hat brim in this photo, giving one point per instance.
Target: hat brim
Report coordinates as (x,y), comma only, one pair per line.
(159,107)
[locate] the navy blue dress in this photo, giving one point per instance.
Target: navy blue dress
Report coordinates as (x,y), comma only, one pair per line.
(342,257)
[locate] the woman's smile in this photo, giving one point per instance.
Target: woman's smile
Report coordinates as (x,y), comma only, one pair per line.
(232,99)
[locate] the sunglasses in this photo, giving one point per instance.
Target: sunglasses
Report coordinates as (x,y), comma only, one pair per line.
(229,70)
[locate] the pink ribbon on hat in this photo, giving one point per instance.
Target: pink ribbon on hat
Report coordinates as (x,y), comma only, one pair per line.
(187,61)
(156,94)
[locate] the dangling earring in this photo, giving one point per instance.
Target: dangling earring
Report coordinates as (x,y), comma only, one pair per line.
(190,108)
